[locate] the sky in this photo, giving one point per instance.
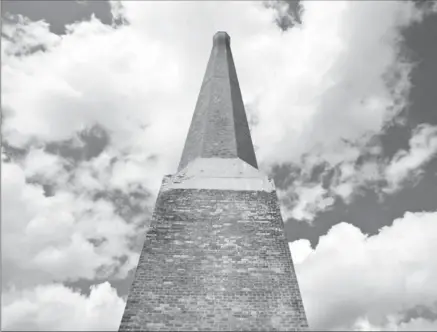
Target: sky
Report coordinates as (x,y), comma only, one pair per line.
(97,98)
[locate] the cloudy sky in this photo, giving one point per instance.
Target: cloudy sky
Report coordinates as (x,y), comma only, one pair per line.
(97,98)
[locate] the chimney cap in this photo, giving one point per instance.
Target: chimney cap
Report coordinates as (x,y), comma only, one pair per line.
(221,38)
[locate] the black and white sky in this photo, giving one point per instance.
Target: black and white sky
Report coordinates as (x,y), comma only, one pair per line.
(97,98)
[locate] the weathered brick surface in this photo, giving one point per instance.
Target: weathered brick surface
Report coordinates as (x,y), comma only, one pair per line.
(219,127)
(215,260)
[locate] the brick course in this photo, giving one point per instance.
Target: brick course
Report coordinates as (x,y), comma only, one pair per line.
(215,260)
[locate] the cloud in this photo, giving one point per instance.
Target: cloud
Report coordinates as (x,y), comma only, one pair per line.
(351,280)
(307,78)
(408,164)
(332,87)
(388,176)
(55,233)
(55,307)
(39,164)
(308,201)
(318,91)
(305,198)
(415,324)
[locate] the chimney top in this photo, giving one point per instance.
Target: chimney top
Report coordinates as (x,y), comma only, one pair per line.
(221,38)
(219,127)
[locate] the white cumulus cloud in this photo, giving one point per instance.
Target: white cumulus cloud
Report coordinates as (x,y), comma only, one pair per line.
(352,280)
(55,233)
(55,307)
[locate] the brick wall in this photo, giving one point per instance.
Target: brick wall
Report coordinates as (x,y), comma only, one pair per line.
(215,260)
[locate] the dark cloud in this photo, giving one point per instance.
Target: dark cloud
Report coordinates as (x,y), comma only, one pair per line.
(12,152)
(49,190)
(420,48)
(291,17)
(92,142)
(319,173)
(122,286)
(421,39)
(284,175)
(367,211)
(58,13)
(128,206)
(420,311)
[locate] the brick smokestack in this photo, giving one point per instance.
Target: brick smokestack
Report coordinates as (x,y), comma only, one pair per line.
(215,257)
